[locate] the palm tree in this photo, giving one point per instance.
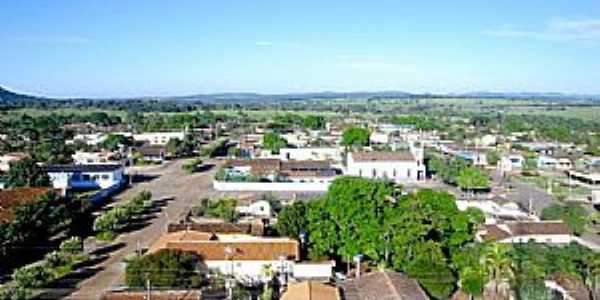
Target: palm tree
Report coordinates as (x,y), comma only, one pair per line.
(498,264)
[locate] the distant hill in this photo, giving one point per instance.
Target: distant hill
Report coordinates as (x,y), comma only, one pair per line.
(11,99)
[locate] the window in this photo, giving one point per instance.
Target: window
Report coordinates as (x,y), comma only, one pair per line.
(86,177)
(360,172)
(374,173)
(408,173)
(105,177)
(394,173)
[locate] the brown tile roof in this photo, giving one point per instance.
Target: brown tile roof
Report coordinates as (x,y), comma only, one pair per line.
(155,295)
(382,156)
(9,199)
(250,248)
(543,227)
(310,290)
(258,166)
(572,285)
(151,150)
(518,228)
(220,227)
(383,285)
(493,233)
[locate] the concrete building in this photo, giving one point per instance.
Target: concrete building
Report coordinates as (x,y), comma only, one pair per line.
(94,176)
(401,166)
(243,256)
(158,138)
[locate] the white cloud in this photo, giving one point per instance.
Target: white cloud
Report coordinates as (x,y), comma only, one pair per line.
(582,30)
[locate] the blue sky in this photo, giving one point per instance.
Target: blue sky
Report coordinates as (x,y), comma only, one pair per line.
(132,48)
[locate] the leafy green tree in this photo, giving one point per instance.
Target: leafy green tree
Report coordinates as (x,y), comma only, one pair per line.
(114,141)
(355,136)
(221,208)
(292,219)
(26,173)
(166,268)
(574,215)
(472,178)
(492,157)
(313,122)
(273,142)
(498,264)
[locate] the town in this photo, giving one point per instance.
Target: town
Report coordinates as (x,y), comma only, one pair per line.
(299,150)
(257,203)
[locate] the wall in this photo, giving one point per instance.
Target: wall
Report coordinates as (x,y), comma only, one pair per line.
(249,271)
(271,186)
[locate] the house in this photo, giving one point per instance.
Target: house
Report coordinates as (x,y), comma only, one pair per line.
(566,286)
(381,138)
(495,212)
(86,158)
(259,208)
(92,176)
(158,138)
(90,139)
(382,285)
(10,199)
(332,154)
(401,166)
(276,170)
(321,271)
(310,290)
(150,153)
(477,158)
(243,256)
(155,295)
(546,162)
(546,232)
(7,159)
(564,164)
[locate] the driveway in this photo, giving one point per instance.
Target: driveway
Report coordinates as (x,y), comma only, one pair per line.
(168,181)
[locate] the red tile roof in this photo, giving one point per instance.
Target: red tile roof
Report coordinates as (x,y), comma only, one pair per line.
(382,156)
(208,249)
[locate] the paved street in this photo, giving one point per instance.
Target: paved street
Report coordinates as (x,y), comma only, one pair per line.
(171,182)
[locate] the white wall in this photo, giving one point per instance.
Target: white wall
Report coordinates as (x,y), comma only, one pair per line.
(397,170)
(556,239)
(313,270)
(270,186)
(62,180)
(334,154)
(158,138)
(248,270)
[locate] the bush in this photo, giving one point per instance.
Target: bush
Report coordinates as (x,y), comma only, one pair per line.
(56,259)
(33,276)
(165,268)
(72,246)
(574,215)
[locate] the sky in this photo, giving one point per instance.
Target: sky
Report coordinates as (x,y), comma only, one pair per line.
(125,48)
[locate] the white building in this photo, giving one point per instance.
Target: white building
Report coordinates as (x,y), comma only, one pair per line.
(545,232)
(88,158)
(7,159)
(259,208)
(300,154)
(96,176)
(378,137)
(402,166)
(158,138)
(241,255)
(91,139)
(494,212)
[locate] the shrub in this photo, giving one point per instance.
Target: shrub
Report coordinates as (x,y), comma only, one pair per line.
(33,276)
(72,246)
(165,268)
